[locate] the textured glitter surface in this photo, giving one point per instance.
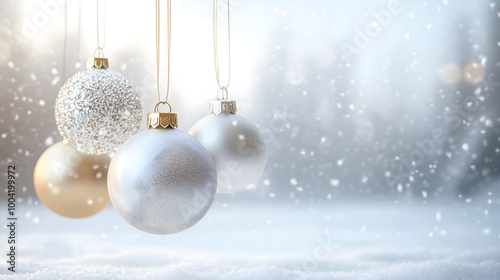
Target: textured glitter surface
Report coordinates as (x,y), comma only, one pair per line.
(237,147)
(162,181)
(97,110)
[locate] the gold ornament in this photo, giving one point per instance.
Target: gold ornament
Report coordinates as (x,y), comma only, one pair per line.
(71,183)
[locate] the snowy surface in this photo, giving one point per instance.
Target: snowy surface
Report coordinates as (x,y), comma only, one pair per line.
(357,240)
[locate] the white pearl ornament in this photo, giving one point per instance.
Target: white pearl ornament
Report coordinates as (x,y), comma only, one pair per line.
(162,180)
(235,144)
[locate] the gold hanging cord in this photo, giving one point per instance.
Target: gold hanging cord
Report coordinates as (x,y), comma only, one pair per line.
(222,88)
(65,40)
(99,51)
(79,31)
(169,39)
(65,44)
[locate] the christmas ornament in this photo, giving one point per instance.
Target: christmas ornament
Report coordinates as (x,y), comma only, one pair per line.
(70,183)
(235,143)
(97,110)
(162,180)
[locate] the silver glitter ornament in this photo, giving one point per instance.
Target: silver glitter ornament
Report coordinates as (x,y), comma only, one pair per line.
(97,110)
(162,180)
(235,144)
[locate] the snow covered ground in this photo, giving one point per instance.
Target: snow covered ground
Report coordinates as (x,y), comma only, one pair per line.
(381,239)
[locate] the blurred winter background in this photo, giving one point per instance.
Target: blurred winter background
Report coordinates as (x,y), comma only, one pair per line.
(381,120)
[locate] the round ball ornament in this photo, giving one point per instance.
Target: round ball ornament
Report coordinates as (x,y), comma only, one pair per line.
(235,144)
(71,183)
(97,110)
(162,180)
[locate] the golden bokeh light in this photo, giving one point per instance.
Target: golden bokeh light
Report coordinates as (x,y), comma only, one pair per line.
(450,74)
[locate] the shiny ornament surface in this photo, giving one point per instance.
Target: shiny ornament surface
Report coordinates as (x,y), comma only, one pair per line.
(97,110)
(162,181)
(70,183)
(237,148)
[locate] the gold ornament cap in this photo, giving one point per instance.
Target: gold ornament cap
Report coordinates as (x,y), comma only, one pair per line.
(97,62)
(159,120)
(101,63)
(222,106)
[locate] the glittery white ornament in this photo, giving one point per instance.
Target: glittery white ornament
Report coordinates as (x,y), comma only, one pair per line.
(235,144)
(97,110)
(162,180)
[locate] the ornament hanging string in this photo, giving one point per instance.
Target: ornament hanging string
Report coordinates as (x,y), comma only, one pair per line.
(99,51)
(65,40)
(222,88)
(65,44)
(79,32)
(169,40)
